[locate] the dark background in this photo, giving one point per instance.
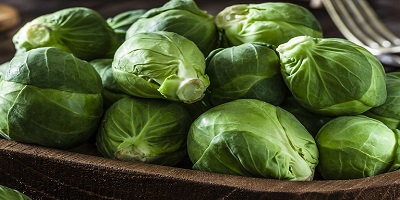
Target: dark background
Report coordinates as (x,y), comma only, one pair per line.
(388,10)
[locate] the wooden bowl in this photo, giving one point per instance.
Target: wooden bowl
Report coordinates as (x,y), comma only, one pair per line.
(9,17)
(44,173)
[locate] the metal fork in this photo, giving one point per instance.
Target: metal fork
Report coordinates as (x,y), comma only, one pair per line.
(359,23)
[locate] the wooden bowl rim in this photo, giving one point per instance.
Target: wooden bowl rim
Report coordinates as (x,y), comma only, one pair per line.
(385,180)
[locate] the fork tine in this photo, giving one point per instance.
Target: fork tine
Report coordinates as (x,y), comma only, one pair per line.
(374,39)
(359,23)
(345,22)
(376,22)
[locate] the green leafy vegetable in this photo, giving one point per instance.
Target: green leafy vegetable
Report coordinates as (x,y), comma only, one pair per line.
(389,112)
(250,137)
(7,193)
(271,22)
(121,22)
(112,92)
(161,65)
(247,71)
(3,68)
(51,98)
(182,17)
(332,76)
(80,31)
(356,147)
(312,122)
(144,130)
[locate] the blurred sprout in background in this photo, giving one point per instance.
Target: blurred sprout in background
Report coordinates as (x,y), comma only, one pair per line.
(182,17)
(271,22)
(80,31)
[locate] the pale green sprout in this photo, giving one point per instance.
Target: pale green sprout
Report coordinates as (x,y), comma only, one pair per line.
(271,22)
(144,130)
(80,31)
(353,147)
(161,65)
(249,137)
(332,76)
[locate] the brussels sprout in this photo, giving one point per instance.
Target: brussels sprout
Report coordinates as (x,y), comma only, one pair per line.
(3,68)
(161,65)
(356,147)
(7,193)
(112,92)
(121,22)
(247,71)
(250,137)
(389,112)
(51,98)
(332,76)
(272,22)
(182,17)
(311,121)
(81,31)
(144,130)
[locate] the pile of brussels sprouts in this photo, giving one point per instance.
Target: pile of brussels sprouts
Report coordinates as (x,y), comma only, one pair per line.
(254,91)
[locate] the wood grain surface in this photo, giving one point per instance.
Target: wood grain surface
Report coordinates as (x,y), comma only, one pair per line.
(44,173)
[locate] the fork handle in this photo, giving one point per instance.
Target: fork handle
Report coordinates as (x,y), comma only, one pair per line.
(316,3)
